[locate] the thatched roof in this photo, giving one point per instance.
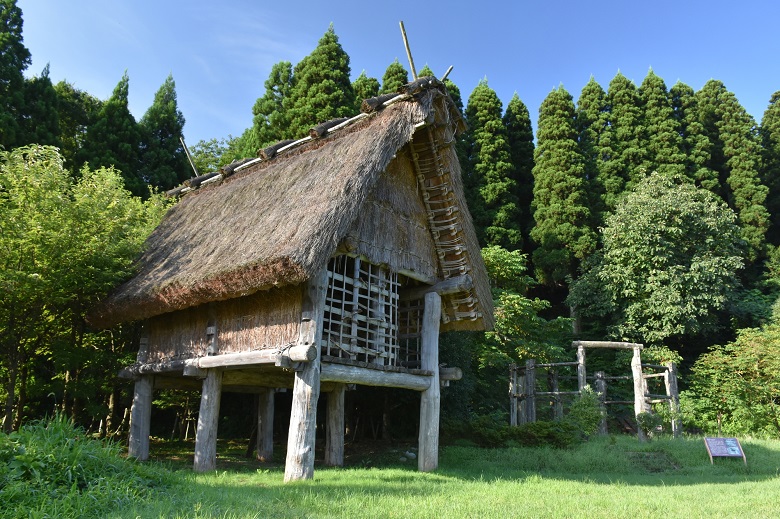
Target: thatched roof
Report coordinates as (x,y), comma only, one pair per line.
(277,221)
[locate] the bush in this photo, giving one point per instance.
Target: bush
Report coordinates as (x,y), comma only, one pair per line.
(51,469)
(585,411)
(490,431)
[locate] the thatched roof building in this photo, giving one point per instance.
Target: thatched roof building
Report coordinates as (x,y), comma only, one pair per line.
(335,259)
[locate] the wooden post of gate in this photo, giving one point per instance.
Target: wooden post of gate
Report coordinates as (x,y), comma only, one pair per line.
(639,389)
(522,414)
(512,393)
(670,381)
(582,379)
(530,390)
(601,390)
(430,400)
(552,377)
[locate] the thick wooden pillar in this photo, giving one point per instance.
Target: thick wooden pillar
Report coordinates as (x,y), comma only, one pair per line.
(265,425)
(140,419)
(430,401)
(334,432)
(208,422)
(299,463)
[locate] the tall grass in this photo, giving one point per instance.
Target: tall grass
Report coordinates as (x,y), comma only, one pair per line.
(52,469)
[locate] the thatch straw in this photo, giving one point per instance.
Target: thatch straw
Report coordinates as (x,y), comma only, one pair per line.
(277,222)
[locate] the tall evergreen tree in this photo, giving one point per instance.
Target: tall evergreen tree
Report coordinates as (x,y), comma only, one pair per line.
(164,162)
(696,145)
(520,137)
(77,110)
(770,171)
(364,87)
(395,77)
(321,89)
(736,158)
(591,123)
(40,123)
(563,219)
(626,155)
(662,129)
(496,213)
(14,59)
(270,118)
(114,139)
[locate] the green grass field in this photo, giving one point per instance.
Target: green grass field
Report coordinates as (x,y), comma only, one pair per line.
(606,477)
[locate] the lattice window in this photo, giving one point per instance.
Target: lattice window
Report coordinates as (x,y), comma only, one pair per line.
(361,320)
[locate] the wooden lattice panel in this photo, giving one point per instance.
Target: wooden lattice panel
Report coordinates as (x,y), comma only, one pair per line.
(361,319)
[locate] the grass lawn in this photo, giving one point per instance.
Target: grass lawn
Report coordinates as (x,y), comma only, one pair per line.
(610,477)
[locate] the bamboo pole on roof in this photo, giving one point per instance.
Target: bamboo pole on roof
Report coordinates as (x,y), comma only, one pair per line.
(408,51)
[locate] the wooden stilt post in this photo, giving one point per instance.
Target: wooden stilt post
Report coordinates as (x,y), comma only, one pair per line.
(334,432)
(601,390)
(582,378)
(670,380)
(428,455)
(299,463)
(140,419)
(208,422)
(530,390)
(513,390)
(639,389)
(265,425)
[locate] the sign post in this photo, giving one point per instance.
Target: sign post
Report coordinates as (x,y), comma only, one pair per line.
(724,448)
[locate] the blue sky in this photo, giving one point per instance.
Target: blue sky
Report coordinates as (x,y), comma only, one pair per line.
(220,53)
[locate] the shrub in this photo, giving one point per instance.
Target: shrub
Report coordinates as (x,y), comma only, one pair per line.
(585,411)
(51,468)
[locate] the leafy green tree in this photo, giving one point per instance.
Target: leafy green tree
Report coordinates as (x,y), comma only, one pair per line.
(164,163)
(40,122)
(210,155)
(696,146)
(321,89)
(497,212)
(669,262)
(63,244)
(592,123)
(270,117)
(365,88)
(563,229)
(770,171)
(662,129)
(520,137)
(114,140)
(734,388)
(520,332)
(394,78)
(626,157)
(736,157)
(14,59)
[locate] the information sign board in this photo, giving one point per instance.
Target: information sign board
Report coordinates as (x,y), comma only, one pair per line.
(724,448)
